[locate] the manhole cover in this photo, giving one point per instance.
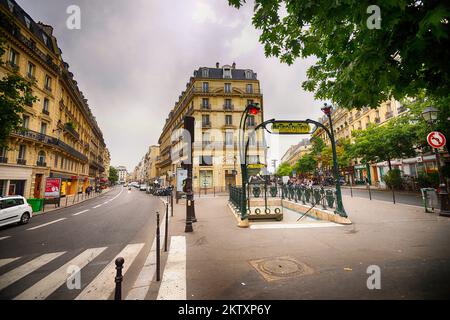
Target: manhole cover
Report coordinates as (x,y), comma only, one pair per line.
(280,268)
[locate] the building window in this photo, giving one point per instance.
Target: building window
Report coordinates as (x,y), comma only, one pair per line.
(228,104)
(205,120)
(13,58)
(62,163)
(43,128)
(251,121)
(46,104)
(56,161)
(48,83)
(22,151)
(227,73)
(205,73)
(228,138)
(11,6)
(205,103)
(228,119)
(45,38)
(41,158)
(28,22)
(25,122)
(206,161)
(253,159)
(31,70)
(205,86)
(227,88)
(248,74)
(249,88)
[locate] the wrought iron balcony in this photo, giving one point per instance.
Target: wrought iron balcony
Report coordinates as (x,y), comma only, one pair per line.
(229,107)
(31,77)
(48,88)
(205,106)
(44,111)
(41,163)
(22,162)
(206,124)
(70,129)
(3,160)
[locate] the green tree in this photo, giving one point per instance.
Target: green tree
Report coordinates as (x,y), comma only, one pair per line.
(395,140)
(343,151)
(284,169)
(357,65)
(306,164)
(15,92)
(113,175)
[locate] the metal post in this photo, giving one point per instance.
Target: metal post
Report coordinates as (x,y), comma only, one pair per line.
(166,227)
(443,194)
(370,193)
(158,249)
(351,184)
(171,203)
(119,278)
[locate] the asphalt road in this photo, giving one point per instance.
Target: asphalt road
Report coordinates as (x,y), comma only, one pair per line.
(105,225)
(414,199)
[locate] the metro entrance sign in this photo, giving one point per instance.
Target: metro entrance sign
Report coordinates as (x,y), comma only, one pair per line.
(290,127)
(436,139)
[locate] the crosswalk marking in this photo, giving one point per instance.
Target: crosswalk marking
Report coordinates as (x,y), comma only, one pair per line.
(4,238)
(144,280)
(46,224)
(20,272)
(4,262)
(81,212)
(49,284)
(295,225)
(103,285)
(173,284)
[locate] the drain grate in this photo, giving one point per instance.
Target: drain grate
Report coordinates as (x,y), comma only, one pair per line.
(272,269)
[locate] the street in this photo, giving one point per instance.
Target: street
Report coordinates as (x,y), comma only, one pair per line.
(410,198)
(112,222)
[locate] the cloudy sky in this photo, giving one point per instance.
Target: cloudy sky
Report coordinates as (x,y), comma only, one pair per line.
(132,59)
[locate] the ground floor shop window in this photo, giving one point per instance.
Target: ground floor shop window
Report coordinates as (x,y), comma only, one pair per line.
(206,179)
(3,184)
(16,188)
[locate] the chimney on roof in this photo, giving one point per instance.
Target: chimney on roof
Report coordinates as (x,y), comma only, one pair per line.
(234,65)
(217,65)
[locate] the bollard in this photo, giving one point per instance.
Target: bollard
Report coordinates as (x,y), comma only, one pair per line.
(158,248)
(66,200)
(119,278)
(370,193)
(166,227)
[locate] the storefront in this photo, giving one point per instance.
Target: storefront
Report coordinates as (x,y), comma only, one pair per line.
(15,181)
(69,184)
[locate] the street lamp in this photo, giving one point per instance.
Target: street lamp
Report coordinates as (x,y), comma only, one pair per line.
(430,114)
(251,109)
(327,110)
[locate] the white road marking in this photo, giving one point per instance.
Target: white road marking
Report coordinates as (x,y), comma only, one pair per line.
(97,206)
(173,283)
(103,285)
(4,262)
(145,277)
(295,225)
(46,224)
(4,238)
(78,213)
(20,272)
(42,289)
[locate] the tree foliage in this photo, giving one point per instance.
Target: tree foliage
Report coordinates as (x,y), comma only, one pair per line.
(15,92)
(356,65)
(306,164)
(113,175)
(284,169)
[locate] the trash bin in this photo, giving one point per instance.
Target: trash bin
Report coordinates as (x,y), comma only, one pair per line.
(36,204)
(429,197)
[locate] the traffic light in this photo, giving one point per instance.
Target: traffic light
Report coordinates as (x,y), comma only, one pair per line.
(253,109)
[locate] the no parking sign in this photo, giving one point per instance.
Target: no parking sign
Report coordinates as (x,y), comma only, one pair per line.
(436,139)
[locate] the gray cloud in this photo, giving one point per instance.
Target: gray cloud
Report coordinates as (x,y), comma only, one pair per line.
(133,58)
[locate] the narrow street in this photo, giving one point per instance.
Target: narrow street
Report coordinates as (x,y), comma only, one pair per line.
(120,221)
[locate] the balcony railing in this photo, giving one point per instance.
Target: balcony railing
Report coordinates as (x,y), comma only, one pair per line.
(389,114)
(44,111)
(206,125)
(229,107)
(377,120)
(48,88)
(41,163)
(3,160)
(31,77)
(69,128)
(205,106)
(22,162)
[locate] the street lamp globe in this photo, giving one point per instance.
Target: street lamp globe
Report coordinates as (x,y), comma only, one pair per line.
(327,108)
(430,114)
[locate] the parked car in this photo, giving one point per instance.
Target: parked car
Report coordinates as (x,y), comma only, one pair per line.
(143,187)
(14,209)
(163,191)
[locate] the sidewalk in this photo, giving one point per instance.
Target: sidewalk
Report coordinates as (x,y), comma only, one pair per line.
(226,262)
(70,201)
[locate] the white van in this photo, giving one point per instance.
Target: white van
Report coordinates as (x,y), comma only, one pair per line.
(14,209)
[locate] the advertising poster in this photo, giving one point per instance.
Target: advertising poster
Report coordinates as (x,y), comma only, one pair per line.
(181,176)
(52,188)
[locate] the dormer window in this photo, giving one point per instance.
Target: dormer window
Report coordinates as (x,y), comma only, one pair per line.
(11,6)
(248,74)
(205,73)
(227,72)
(45,39)
(28,22)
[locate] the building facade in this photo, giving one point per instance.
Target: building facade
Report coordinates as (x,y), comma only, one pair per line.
(60,137)
(295,152)
(122,173)
(216,98)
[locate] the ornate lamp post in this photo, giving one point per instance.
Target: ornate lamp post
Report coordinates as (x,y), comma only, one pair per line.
(430,115)
(327,109)
(251,109)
